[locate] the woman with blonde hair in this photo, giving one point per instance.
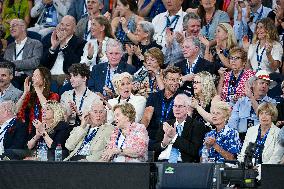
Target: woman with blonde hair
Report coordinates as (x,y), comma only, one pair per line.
(53,130)
(205,95)
(225,40)
(123,88)
(265,52)
(222,143)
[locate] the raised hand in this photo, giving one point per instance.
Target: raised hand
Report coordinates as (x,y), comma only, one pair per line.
(90,50)
(54,39)
(27,85)
(222,71)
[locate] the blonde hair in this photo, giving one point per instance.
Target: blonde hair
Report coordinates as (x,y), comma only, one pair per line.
(231,41)
(58,111)
(117,78)
(272,34)
(268,107)
(224,107)
(208,86)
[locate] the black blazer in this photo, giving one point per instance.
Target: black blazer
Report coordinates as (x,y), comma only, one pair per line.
(72,53)
(98,75)
(15,139)
(188,143)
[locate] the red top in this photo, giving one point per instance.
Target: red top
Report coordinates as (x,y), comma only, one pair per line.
(21,113)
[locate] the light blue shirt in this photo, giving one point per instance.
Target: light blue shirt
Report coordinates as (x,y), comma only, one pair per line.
(241,113)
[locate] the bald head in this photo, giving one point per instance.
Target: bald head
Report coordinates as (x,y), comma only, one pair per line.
(67,25)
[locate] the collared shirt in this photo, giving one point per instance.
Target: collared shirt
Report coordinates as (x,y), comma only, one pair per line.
(228,139)
(87,34)
(19,49)
(160,24)
(85,151)
(241,27)
(2,134)
(191,67)
(242,113)
(3,92)
(165,155)
(139,103)
(57,68)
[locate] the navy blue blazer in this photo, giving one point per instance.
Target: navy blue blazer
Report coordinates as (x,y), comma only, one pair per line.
(72,53)
(15,139)
(201,65)
(98,75)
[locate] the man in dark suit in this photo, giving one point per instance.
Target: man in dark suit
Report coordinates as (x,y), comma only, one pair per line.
(193,63)
(12,131)
(179,140)
(101,75)
(62,49)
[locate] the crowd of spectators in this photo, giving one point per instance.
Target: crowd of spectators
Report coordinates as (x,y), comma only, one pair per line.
(113,80)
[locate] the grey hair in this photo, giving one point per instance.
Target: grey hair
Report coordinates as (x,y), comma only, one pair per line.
(114,43)
(147,27)
(186,99)
(9,106)
(8,65)
(196,42)
(189,16)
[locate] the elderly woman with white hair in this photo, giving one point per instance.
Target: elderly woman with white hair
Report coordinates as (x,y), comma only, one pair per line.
(265,136)
(123,87)
(222,143)
(144,34)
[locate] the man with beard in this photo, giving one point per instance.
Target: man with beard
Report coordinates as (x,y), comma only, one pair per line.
(7,89)
(78,100)
(159,105)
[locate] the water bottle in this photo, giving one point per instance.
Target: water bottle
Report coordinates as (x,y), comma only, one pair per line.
(42,151)
(58,153)
(204,155)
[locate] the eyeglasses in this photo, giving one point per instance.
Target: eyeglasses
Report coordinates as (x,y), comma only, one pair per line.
(235,58)
(179,106)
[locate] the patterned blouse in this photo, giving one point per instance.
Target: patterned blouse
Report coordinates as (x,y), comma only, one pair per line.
(29,114)
(239,89)
(136,138)
(228,139)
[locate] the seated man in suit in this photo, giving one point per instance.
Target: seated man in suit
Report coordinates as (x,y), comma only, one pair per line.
(7,89)
(193,63)
(101,75)
(12,131)
(179,140)
(62,49)
(24,52)
(89,140)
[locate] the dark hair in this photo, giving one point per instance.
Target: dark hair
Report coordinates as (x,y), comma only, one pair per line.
(131,3)
(171,69)
(81,69)
(105,22)
(46,76)
(8,65)
(10,3)
(202,13)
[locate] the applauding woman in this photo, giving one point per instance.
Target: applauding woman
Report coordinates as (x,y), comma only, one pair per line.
(222,143)
(129,140)
(34,97)
(53,130)
(265,52)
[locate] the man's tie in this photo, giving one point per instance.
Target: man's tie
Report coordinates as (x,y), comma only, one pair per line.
(175,152)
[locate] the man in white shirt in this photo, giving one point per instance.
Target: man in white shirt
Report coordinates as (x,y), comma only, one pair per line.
(244,22)
(25,52)
(167,23)
(179,140)
(78,100)
(62,49)
(89,140)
